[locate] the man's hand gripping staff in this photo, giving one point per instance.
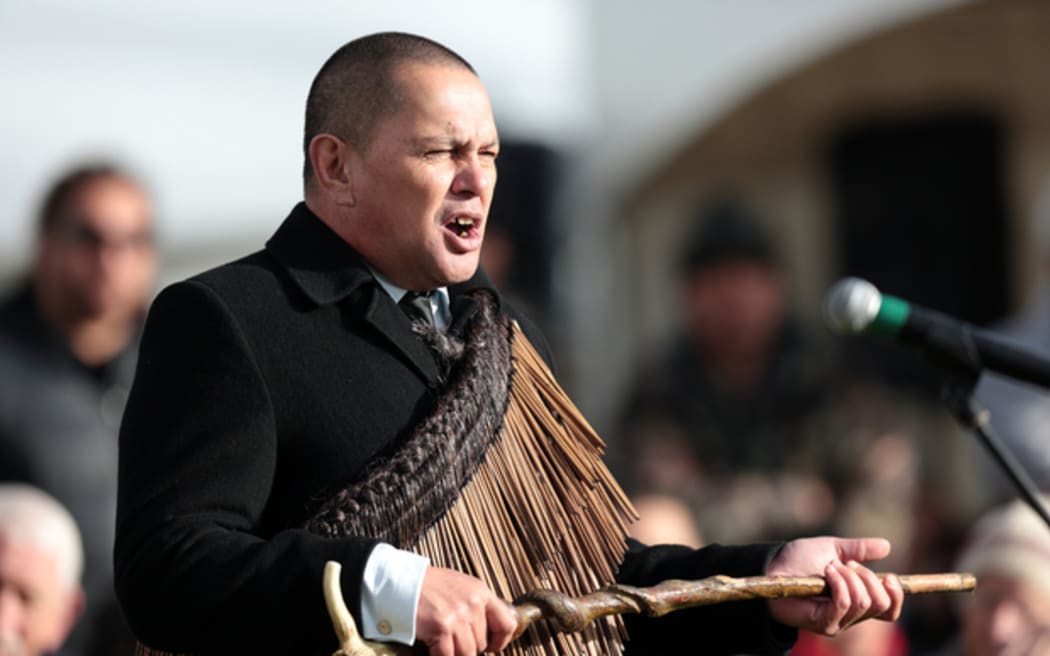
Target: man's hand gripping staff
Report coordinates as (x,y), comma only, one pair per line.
(848,593)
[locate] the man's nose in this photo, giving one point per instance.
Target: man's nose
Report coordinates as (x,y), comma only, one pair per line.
(475,176)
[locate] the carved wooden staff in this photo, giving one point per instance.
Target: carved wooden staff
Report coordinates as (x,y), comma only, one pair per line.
(568,614)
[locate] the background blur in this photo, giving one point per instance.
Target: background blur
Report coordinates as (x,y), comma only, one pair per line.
(905,140)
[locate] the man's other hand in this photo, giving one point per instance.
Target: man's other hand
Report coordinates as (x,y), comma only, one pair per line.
(856,593)
(458,615)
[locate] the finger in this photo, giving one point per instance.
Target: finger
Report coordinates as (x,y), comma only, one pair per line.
(878,596)
(862,549)
(465,645)
(502,623)
(832,613)
(479,630)
(442,646)
(859,600)
(892,585)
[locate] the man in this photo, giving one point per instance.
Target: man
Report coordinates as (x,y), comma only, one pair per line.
(40,564)
(1009,614)
(723,413)
(269,382)
(68,345)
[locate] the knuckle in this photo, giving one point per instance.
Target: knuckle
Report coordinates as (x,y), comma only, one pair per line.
(476,599)
(447,622)
(440,632)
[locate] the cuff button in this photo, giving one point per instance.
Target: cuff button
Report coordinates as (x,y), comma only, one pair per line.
(384,627)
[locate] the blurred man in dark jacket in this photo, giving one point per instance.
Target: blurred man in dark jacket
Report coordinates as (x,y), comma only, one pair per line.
(68,346)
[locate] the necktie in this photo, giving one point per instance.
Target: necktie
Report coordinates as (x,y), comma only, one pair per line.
(417,306)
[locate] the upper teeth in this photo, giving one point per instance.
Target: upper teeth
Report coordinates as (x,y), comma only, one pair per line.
(464,221)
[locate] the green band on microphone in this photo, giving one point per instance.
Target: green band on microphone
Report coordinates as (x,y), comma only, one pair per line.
(893,312)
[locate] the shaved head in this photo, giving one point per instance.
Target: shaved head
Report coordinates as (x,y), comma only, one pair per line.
(357,86)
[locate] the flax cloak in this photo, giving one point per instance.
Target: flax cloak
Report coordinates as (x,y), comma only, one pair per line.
(504,481)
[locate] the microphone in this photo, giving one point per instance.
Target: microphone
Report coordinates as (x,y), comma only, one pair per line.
(856,306)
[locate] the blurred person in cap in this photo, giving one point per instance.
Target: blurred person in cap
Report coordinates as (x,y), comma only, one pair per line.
(40,566)
(722,410)
(68,346)
(1009,613)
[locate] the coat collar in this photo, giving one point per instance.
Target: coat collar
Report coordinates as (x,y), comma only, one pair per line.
(320,263)
(328,270)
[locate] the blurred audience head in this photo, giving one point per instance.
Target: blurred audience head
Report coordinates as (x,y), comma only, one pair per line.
(95,256)
(1009,613)
(41,558)
(734,296)
(665,519)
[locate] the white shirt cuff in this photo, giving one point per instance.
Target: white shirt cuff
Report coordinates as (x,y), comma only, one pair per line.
(390,594)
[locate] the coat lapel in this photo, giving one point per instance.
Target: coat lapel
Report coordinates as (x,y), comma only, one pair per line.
(394,325)
(328,271)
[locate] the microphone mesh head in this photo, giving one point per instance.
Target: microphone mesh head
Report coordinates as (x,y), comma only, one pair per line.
(851,305)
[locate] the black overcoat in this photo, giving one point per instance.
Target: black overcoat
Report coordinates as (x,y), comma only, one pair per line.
(263,385)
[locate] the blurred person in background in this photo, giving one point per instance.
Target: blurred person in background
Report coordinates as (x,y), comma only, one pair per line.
(665,519)
(720,415)
(760,429)
(40,565)
(68,347)
(1009,613)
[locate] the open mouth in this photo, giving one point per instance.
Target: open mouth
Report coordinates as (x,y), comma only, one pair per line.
(463,226)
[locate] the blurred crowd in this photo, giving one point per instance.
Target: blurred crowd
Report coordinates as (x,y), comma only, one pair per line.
(747,426)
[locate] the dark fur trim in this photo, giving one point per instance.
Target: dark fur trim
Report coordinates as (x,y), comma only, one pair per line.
(401,497)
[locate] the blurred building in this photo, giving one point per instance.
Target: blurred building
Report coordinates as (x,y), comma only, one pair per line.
(908,151)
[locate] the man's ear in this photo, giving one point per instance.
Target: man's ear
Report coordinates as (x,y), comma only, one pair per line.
(330,159)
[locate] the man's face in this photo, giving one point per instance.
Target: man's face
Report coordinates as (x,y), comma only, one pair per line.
(37,609)
(99,257)
(424,185)
(1006,617)
(735,307)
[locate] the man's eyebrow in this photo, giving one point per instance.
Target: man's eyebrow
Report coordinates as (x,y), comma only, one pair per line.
(451,140)
(434,142)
